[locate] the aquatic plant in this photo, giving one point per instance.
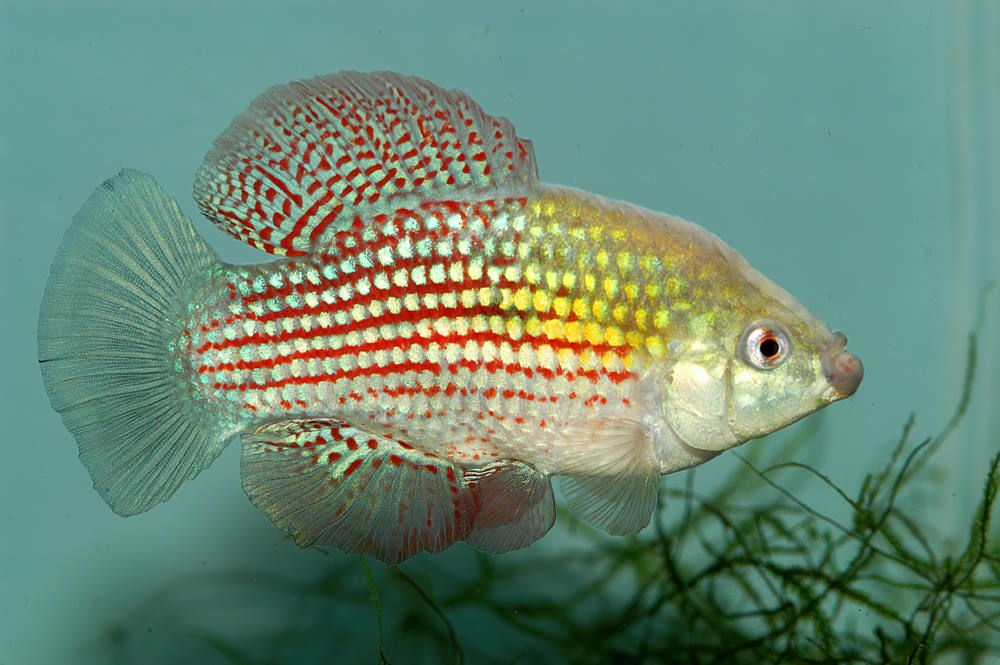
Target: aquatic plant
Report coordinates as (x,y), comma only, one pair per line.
(745,573)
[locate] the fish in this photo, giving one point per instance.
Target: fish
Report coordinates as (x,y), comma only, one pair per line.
(437,335)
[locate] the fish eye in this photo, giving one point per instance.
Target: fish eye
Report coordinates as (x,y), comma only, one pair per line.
(764,346)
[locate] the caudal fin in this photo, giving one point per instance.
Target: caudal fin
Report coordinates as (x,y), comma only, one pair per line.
(122,271)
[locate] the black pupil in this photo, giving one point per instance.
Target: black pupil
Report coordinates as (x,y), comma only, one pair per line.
(769,347)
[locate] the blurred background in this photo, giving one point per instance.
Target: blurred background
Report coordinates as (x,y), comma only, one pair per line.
(850,150)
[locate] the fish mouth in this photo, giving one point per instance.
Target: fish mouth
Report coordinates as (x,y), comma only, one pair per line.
(843,369)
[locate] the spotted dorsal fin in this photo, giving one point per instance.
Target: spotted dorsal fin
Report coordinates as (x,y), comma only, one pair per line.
(312,155)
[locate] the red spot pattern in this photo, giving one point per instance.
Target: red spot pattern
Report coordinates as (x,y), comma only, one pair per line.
(305,154)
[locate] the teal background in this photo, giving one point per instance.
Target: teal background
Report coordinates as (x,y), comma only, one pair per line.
(849,150)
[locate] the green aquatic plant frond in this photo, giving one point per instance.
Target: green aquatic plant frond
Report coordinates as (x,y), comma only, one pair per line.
(751,570)
(457,653)
(373,590)
(228,651)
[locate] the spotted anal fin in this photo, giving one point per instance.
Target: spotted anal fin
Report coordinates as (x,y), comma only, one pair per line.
(516,506)
(313,156)
(610,476)
(326,482)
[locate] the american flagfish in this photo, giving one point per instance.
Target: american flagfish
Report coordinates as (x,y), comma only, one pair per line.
(442,334)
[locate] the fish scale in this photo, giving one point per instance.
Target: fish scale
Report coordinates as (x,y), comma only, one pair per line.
(428,316)
(443,334)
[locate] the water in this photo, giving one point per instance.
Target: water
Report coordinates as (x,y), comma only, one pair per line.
(848,150)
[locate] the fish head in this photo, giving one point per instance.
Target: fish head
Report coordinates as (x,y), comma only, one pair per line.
(753,360)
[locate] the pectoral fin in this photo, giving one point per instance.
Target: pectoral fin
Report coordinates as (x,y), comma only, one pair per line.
(610,476)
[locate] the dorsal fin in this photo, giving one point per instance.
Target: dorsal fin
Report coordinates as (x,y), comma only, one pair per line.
(313,154)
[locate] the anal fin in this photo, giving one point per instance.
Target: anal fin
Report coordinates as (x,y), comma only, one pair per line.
(327,482)
(609,475)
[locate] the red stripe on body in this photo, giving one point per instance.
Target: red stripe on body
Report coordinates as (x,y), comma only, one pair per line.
(403,343)
(593,376)
(332,376)
(404,316)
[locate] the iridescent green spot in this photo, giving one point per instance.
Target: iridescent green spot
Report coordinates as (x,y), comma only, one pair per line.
(405,247)
(602,259)
(673,287)
(411,224)
(624,261)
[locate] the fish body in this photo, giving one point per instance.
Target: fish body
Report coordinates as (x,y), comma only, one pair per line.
(444,334)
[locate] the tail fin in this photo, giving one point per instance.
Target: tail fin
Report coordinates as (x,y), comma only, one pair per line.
(121,273)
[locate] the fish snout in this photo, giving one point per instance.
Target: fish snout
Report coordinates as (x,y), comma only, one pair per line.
(842,368)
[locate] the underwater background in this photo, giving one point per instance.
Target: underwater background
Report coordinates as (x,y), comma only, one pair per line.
(849,150)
